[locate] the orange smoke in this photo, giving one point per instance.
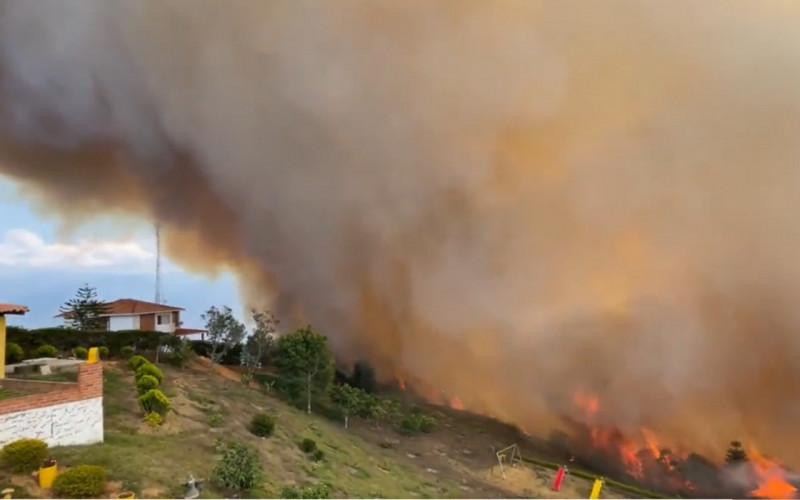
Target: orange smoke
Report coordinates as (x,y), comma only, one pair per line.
(771,478)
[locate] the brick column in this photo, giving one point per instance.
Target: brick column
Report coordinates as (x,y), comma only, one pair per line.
(2,346)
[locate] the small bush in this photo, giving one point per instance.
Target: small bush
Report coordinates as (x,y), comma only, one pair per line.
(313,491)
(215,419)
(308,445)
(103,351)
(238,469)
(145,383)
(153,419)
(23,455)
(45,351)
(318,455)
(81,352)
(417,422)
(262,425)
(126,352)
(150,369)
(83,481)
(137,361)
(155,401)
(14,353)
(181,353)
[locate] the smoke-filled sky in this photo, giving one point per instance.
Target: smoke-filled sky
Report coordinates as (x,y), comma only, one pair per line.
(510,200)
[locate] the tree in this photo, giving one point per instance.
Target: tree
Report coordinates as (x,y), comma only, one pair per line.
(349,399)
(735,453)
(84,310)
(305,361)
(224,331)
(377,408)
(363,376)
(261,342)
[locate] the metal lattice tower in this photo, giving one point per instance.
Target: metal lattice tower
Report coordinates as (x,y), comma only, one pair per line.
(158,264)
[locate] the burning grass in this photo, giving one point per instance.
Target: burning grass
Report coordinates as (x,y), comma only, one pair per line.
(641,462)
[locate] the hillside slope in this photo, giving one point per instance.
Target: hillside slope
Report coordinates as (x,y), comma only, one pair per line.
(455,461)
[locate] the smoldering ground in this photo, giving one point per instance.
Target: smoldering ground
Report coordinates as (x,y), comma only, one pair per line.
(511,200)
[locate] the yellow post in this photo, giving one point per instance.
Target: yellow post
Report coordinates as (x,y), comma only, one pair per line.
(2,346)
(93,355)
(47,475)
(596,488)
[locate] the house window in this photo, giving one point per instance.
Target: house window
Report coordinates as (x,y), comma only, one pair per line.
(163,319)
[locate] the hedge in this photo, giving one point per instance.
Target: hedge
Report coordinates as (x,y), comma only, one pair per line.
(65,340)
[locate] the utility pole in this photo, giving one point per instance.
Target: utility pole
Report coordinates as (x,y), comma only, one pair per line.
(158,263)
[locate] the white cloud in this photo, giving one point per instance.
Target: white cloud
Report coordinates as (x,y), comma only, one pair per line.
(21,248)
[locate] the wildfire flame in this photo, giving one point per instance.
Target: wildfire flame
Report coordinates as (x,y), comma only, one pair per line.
(456,404)
(771,478)
(636,455)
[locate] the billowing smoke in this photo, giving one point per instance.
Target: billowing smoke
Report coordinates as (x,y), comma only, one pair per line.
(509,200)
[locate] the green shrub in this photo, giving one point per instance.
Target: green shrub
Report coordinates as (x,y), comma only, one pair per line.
(126,352)
(145,383)
(153,419)
(312,491)
(215,419)
(150,369)
(238,469)
(23,455)
(155,401)
(181,353)
(14,353)
(82,481)
(45,351)
(81,352)
(137,361)
(262,425)
(417,422)
(103,351)
(318,455)
(308,445)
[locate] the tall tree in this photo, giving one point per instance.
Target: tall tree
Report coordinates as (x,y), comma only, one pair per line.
(261,342)
(83,311)
(735,453)
(305,362)
(223,330)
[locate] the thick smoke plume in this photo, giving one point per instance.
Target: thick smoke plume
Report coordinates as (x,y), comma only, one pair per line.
(510,200)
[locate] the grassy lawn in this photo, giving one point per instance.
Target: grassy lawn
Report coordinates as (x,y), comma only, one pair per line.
(210,411)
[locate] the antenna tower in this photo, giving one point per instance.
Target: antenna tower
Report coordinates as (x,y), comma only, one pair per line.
(158,263)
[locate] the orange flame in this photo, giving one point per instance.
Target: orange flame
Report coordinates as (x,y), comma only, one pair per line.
(632,453)
(771,478)
(456,404)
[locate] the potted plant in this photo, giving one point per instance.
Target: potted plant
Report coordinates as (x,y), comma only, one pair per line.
(48,472)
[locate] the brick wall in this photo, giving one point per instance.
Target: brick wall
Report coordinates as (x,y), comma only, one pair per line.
(65,413)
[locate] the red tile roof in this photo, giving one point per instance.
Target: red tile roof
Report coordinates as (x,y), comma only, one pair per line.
(133,306)
(12,309)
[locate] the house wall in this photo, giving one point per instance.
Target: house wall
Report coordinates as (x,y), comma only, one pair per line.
(127,322)
(67,414)
(193,336)
(165,327)
(147,322)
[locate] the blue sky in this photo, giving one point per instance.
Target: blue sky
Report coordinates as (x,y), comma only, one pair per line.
(42,268)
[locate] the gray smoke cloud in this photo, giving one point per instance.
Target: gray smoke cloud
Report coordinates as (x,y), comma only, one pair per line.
(510,201)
